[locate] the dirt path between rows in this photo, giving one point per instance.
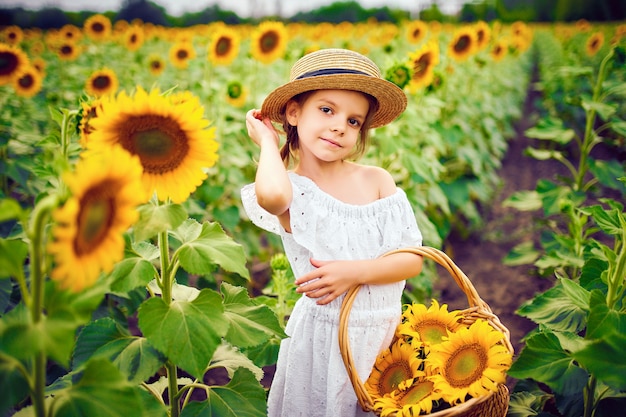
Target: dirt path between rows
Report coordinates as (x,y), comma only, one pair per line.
(479,256)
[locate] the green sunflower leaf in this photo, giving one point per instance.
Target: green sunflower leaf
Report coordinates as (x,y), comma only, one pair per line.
(100,387)
(136,269)
(205,245)
(524,201)
(132,355)
(559,309)
(544,360)
(156,219)
(604,358)
(187,332)
(14,385)
(242,397)
(250,323)
(13,253)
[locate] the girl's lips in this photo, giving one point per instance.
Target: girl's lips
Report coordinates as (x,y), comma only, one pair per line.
(331,142)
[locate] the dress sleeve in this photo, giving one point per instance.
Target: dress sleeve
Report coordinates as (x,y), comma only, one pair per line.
(257,214)
(399,226)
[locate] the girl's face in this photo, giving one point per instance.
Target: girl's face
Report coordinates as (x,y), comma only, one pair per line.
(328,123)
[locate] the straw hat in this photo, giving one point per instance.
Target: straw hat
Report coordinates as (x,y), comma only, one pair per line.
(339,69)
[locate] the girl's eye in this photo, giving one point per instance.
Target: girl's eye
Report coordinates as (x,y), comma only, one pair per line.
(354,122)
(325,109)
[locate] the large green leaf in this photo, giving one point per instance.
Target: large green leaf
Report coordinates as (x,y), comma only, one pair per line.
(136,269)
(187,332)
(242,397)
(250,323)
(23,339)
(524,201)
(604,358)
(13,253)
(10,209)
(102,391)
(231,359)
(551,129)
(524,404)
(156,219)
(522,254)
(205,245)
(132,355)
(610,221)
(544,360)
(556,309)
(602,320)
(607,173)
(13,383)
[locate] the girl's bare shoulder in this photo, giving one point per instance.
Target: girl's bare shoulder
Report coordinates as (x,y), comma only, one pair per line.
(379,178)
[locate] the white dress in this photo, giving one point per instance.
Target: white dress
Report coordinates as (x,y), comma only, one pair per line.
(310,378)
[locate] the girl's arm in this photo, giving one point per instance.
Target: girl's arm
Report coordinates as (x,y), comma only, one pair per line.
(272,185)
(330,279)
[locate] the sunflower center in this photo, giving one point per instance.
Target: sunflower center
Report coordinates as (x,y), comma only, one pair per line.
(159,142)
(417,33)
(97,27)
(421,64)
(392,376)
(466,365)
(133,38)
(234,90)
(26,81)
(432,331)
(417,393)
(66,50)
(8,63)
(97,211)
(223,46)
(155,64)
(463,43)
(101,82)
(269,41)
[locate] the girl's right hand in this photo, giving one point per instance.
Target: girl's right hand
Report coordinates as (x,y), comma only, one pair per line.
(260,128)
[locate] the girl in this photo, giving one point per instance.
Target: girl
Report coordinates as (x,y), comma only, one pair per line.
(335,218)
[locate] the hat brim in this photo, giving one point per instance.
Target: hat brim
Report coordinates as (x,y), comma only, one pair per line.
(391,99)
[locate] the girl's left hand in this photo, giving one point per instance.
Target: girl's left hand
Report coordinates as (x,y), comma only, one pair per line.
(330,279)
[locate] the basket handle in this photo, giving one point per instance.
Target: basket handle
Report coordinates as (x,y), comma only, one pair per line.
(477,309)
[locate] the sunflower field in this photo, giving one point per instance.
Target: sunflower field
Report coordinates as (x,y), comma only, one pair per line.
(131,282)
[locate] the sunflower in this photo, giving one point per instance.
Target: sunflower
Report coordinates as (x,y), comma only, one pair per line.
(180,54)
(483,34)
(88,111)
(269,42)
(101,82)
(427,327)
(171,138)
(68,51)
(399,363)
(133,37)
(224,46)
(97,27)
(236,94)
(156,64)
(412,398)
(399,74)
(28,83)
(13,62)
(498,50)
(423,62)
(87,235)
(594,43)
(472,361)
(70,33)
(12,35)
(463,44)
(40,65)
(416,30)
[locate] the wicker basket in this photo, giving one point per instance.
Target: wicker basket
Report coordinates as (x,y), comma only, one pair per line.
(494,404)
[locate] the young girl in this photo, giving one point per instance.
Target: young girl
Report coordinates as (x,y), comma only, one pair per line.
(336,218)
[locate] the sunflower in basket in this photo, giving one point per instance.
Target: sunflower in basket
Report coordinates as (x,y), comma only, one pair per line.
(436,362)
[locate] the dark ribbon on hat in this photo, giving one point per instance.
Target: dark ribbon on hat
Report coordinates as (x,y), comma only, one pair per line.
(330,71)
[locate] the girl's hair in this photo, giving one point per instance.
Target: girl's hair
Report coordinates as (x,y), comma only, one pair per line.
(289,150)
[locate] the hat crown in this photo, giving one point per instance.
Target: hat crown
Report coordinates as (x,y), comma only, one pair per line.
(334,59)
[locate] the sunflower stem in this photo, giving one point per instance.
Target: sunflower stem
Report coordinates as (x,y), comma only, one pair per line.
(39,220)
(172,377)
(589,392)
(166,278)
